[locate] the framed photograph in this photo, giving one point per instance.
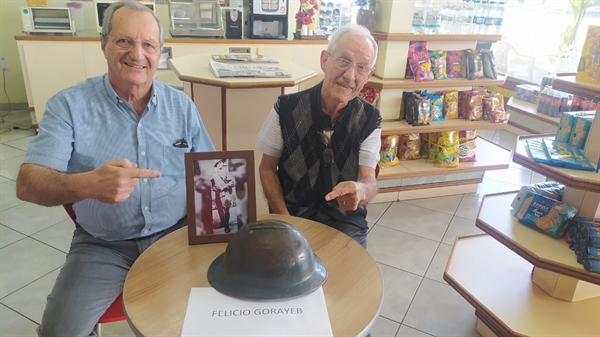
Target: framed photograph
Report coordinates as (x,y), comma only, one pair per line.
(220,194)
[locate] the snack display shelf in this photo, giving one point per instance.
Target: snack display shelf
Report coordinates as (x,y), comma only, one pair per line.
(489,157)
(389,128)
(571,85)
(378,83)
(496,219)
(434,37)
(531,110)
(497,283)
(582,180)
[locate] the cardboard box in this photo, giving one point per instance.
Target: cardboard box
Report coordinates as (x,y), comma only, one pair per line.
(526,92)
(588,69)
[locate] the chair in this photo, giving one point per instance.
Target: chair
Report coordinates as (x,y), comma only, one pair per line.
(114,313)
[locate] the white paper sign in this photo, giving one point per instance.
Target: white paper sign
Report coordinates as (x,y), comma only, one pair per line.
(211,313)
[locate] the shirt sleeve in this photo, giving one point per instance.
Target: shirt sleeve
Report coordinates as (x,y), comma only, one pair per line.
(368,155)
(270,140)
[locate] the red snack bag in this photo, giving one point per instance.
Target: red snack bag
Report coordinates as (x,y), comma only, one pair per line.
(453,58)
(419,61)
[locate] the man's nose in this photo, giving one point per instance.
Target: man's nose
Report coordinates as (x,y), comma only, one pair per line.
(137,51)
(350,73)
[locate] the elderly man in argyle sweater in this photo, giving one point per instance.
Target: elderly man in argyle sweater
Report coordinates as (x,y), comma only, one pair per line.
(321,146)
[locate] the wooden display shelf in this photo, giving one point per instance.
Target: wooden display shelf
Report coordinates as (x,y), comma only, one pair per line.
(389,128)
(489,157)
(497,282)
(582,180)
(531,110)
(434,37)
(378,83)
(496,219)
(570,85)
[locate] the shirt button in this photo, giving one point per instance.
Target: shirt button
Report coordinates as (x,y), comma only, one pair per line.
(146,208)
(143,153)
(145,180)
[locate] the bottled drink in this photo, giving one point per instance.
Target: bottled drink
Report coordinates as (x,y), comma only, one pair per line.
(467,18)
(457,18)
(478,17)
(499,17)
(420,13)
(446,17)
(433,19)
(490,18)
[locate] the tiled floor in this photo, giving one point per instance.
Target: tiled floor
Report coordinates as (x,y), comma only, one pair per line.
(410,240)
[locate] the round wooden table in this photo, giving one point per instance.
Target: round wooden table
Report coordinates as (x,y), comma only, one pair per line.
(157,288)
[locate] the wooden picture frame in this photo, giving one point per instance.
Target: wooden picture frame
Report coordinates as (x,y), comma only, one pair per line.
(221,197)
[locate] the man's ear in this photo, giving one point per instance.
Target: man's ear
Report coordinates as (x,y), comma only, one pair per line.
(324,57)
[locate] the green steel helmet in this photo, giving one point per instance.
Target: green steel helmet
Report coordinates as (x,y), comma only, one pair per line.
(267,259)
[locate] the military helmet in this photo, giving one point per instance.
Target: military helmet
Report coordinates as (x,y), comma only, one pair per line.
(267,259)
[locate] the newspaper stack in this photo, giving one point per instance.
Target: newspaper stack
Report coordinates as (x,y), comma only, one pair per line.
(241,57)
(224,70)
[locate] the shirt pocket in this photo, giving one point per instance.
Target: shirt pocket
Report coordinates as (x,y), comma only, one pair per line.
(173,161)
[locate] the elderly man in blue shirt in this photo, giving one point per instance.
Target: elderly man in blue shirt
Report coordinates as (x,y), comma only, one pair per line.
(114,146)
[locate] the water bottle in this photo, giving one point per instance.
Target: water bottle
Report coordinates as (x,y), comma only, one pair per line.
(499,17)
(433,19)
(420,13)
(490,18)
(478,17)
(467,18)
(457,18)
(446,17)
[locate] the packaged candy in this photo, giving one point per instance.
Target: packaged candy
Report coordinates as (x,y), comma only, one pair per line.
(389,148)
(410,146)
(438,64)
(436,102)
(420,63)
(453,63)
(451,104)
(448,145)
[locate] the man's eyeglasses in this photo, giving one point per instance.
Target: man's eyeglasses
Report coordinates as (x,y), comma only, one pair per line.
(326,140)
(127,43)
(343,64)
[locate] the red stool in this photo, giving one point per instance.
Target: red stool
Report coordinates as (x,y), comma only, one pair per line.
(114,313)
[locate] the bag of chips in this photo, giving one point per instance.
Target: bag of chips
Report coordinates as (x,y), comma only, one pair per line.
(420,63)
(389,149)
(436,102)
(453,59)
(410,146)
(467,145)
(489,64)
(448,144)
(451,104)
(495,110)
(474,65)
(438,64)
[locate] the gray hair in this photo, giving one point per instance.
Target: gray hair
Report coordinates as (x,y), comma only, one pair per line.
(354,29)
(133,5)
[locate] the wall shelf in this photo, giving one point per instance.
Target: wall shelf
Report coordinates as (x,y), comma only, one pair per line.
(582,180)
(434,37)
(436,84)
(489,157)
(571,85)
(531,110)
(497,282)
(496,219)
(389,128)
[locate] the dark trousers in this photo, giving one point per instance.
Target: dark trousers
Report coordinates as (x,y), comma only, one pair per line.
(358,234)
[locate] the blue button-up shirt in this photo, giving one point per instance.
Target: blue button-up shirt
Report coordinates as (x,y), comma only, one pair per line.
(89,124)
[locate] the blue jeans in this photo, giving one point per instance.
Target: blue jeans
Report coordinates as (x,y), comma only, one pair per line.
(90,280)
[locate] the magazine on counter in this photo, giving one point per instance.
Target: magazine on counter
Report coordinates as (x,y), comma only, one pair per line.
(223,70)
(245,58)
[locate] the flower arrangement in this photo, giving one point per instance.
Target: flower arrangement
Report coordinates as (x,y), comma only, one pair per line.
(307,11)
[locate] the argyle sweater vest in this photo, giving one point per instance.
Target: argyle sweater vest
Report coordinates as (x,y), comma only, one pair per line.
(304,173)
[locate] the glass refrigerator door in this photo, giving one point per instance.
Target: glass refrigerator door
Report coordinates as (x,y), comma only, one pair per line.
(183,15)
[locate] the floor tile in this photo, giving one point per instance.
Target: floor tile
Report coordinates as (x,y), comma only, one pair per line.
(505,139)
(58,236)
(447,204)
(29,218)
(10,168)
(384,328)
(537,178)
(8,236)
(440,311)
(375,211)
(399,288)
(16,134)
(117,329)
(487,133)
(460,227)
(438,264)
(469,207)
(510,175)
(30,300)
(21,117)
(24,262)
(7,152)
(15,325)
(416,220)
(21,143)
(8,195)
(406,331)
(488,186)
(400,250)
